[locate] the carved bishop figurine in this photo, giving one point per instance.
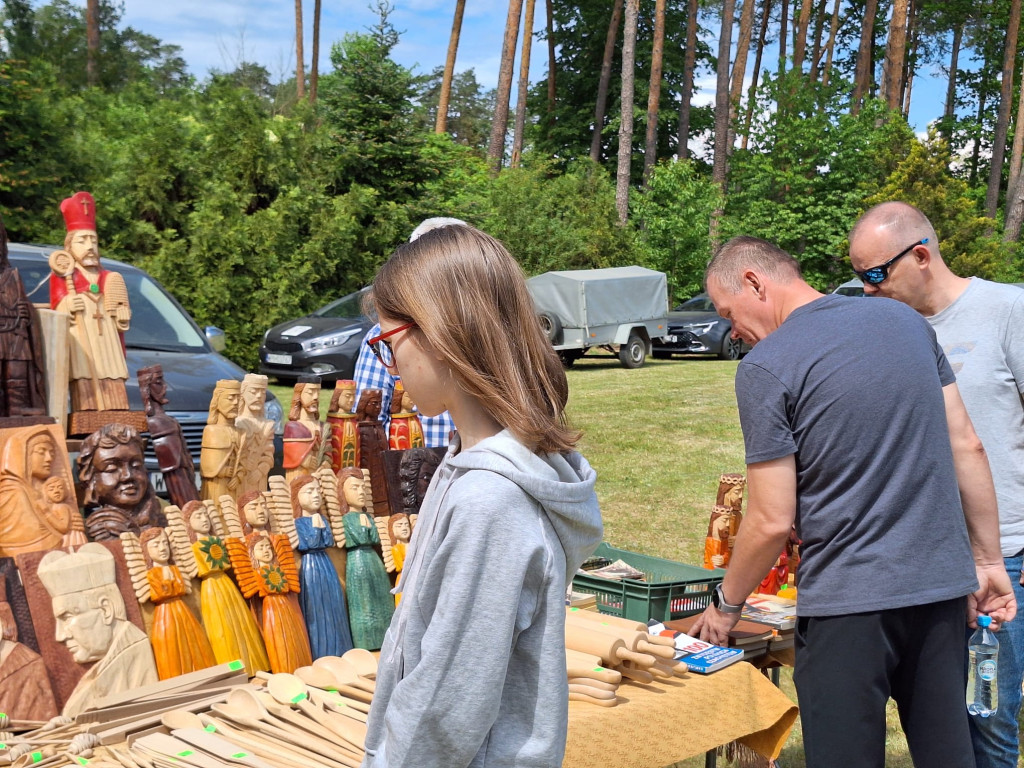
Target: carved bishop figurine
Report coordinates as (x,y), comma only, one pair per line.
(306,438)
(229,623)
(344,432)
(257,441)
(308,513)
(370,605)
(97,301)
(219,458)
(169,444)
(179,643)
(405,430)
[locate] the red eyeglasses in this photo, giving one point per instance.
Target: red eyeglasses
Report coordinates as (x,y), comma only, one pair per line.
(381,347)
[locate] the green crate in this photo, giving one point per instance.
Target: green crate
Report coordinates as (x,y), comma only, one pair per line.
(671,590)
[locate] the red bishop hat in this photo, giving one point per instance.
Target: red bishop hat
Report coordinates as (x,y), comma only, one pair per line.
(79,212)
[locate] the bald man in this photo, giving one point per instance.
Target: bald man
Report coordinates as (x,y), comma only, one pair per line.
(979,324)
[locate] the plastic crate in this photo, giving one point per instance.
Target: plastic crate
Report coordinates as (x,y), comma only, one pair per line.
(672,590)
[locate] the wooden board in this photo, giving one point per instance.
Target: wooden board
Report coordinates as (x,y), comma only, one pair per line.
(57,363)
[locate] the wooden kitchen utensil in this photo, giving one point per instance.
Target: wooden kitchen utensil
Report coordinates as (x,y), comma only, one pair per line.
(612,650)
(288,689)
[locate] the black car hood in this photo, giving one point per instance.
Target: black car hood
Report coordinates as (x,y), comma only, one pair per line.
(316,327)
(190,376)
(684,318)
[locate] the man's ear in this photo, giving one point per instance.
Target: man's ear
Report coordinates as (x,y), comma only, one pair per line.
(752,281)
(106,608)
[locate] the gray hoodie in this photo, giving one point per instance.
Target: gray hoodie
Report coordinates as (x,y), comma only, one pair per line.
(472,669)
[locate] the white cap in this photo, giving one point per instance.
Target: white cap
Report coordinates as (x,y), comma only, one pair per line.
(91,567)
(435,223)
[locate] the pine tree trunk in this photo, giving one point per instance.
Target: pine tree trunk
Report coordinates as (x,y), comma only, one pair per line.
(895,53)
(300,74)
(783,33)
(626,121)
(831,44)
(910,59)
(524,85)
(92,42)
(819,26)
(720,167)
(441,122)
(654,90)
(689,64)
(862,76)
(1016,153)
(800,44)
(752,91)
(954,59)
(995,175)
(1014,214)
(552,66)
(499,125)
(602,84)
(314,65)
(976,151)
(739,67)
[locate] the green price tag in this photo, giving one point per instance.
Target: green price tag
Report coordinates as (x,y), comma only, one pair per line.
(573,610)
(2,745)
(210,729)
(236,665)
(332,690)
(240,755)
(81,761)
(599,669)
(37,757)
(185,753)
(299,698)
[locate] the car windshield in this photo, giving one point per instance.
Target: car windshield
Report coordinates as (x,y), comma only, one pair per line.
(347,306)
(696,304)
(157,322)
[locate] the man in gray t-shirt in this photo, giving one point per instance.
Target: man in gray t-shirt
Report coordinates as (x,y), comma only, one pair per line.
(854,430)
(979,325)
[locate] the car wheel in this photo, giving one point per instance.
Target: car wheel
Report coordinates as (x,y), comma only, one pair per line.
(551,325)
(732,349)
(633,352)
(569,356)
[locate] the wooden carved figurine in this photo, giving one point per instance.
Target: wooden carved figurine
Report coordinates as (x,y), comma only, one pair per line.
(118,497)
(373,441)
(37,509)
(257,435)
(267,569)
(306,439)
(344,431)
(395,533)
(726,517)
(219,458)
(97,301)
(415,472)
(229,624)
(179,643)
(25,691)
(22,383)
(308,513)
(92,622)
(405,430)
(169,444)
(370,604)
(777,577)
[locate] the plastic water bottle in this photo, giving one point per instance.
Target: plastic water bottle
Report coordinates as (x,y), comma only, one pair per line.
(982,690)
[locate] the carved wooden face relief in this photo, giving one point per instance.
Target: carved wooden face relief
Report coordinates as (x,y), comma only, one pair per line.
(227,405)
(200,522)
(119,478)
(353,490)
(41,452)
(263,551)
(310,498)
(347,400)
(256,513)
(401,527)
(254,400)
(85,623)
(85,248)
(159,549)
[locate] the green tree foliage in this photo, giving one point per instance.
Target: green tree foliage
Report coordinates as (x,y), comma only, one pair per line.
(470,108)
(674,211)
(965,240)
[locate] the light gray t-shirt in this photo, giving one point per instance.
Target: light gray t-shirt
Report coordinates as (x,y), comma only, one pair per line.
(981,334)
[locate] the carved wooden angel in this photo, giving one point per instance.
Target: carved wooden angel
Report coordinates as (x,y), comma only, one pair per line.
(308,513)
(267,569)
(370,603)
(395,531)
(162,569)
(230,625)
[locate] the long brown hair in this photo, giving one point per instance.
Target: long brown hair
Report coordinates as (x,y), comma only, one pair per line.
(468,297)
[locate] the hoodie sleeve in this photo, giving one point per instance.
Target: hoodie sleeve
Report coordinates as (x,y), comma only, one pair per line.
(484,585)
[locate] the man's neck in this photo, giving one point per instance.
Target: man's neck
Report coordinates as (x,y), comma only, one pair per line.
(943,291)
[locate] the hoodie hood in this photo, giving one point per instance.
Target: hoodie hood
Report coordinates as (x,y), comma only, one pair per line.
(563,484)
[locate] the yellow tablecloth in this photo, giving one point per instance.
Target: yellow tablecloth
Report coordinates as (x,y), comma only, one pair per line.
(670,720)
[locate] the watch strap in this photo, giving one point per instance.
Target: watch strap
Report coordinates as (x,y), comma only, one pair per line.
(721,603)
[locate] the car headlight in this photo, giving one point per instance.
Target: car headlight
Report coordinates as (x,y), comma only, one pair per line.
(699,329)
(330,341)
(275,413)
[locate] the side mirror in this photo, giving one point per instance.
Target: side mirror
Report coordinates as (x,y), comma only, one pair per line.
(218,340)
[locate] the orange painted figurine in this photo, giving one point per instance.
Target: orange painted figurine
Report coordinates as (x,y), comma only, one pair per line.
(344,433)
(405,430)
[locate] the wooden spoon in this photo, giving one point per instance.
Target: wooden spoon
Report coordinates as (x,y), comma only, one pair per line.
(332,702)
(339,685)
(364,662)
(346,673)
(290,690)
(264,743)
(319,679)
(166,746)
(219,747)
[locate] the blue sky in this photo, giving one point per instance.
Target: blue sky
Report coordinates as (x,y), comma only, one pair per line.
(221,33)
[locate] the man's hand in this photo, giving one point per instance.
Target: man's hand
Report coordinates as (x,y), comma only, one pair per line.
(994,597)
(713,626)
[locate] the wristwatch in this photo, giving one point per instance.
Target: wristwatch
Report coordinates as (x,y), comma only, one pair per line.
(718,600)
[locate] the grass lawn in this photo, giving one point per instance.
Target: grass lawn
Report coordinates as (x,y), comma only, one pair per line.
(659,437)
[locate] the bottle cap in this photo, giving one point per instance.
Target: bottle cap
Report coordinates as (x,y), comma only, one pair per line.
(984,621)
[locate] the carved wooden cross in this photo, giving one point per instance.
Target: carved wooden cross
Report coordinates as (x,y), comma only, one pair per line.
(98,317)
(85,206)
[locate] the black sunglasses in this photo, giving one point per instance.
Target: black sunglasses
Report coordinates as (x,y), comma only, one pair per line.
(877,275)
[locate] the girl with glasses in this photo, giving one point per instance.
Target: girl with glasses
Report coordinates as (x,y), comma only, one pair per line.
(472,670)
